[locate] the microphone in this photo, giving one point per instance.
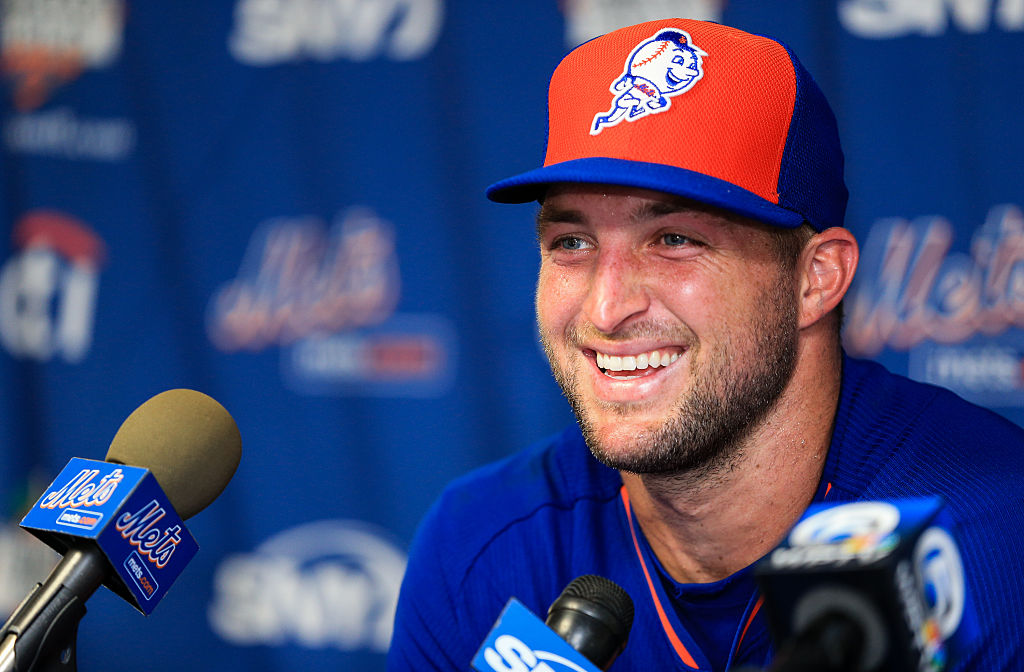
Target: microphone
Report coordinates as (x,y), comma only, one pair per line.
(116,526)
(188,440)
(586,629)
(868,586)
(594,615)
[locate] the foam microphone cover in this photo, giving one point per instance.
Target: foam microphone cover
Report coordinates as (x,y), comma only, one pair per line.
(187,440)
(594,615)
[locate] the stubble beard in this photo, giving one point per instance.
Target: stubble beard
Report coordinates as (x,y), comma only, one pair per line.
(729,396)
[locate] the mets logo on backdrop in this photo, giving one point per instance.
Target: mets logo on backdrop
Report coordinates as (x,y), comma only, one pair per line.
(660,67)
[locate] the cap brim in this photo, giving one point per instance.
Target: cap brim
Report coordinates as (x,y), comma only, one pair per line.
(530,186)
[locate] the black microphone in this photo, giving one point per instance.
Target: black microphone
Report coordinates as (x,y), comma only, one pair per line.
(594,615)
(586,628)
(839,631)
(868,586)
(192,447)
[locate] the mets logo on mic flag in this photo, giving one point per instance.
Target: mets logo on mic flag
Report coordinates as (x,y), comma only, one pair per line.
(121,511)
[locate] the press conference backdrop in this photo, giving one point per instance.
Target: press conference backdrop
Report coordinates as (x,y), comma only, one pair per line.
(280,203)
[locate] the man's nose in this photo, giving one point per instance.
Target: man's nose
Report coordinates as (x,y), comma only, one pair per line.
(617,292)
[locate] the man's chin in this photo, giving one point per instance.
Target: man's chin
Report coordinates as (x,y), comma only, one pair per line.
(630,459)
(618,444)
(623,424)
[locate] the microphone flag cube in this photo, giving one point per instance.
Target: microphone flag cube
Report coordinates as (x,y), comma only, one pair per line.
(891,566)
(521,642)
(122,511)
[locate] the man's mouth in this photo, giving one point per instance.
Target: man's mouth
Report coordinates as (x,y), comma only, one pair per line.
(618,366)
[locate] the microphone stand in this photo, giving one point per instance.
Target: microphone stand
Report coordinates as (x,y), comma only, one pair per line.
(41,634)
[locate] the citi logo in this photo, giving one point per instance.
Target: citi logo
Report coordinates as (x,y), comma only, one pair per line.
(511,654)
(48,288)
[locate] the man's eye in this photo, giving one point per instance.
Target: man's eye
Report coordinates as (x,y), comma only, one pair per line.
(571,243)
(675,239)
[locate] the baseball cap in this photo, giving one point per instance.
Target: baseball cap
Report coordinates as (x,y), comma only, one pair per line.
(696,109)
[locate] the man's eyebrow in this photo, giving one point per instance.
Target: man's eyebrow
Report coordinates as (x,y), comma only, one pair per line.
(653,209)
(549,215)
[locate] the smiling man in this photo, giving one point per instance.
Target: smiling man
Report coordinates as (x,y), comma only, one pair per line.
(693,265)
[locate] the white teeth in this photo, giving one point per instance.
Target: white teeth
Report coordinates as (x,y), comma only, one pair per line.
(640,362)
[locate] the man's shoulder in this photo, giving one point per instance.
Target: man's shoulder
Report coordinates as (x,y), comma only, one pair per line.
(911,435)
(496,532)
(898,438)
(525,494)
(523,526)
(556,472)
(884,403)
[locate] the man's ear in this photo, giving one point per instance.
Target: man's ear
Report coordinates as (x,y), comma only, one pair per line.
(826,269)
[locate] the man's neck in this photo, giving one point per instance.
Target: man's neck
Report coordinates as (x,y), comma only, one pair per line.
(705,527)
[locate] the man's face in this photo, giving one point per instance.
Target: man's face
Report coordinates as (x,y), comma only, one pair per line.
(671,330)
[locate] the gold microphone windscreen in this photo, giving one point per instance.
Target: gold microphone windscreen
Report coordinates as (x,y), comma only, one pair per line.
(188,440)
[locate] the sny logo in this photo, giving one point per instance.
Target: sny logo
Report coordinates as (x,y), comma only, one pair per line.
(663,66)
(510,654)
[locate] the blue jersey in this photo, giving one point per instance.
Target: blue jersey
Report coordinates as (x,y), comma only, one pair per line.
(530,524)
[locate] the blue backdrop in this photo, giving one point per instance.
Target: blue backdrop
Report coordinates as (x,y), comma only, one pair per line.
(280,203)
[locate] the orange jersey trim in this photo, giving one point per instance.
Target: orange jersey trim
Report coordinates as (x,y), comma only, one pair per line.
(673,638)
